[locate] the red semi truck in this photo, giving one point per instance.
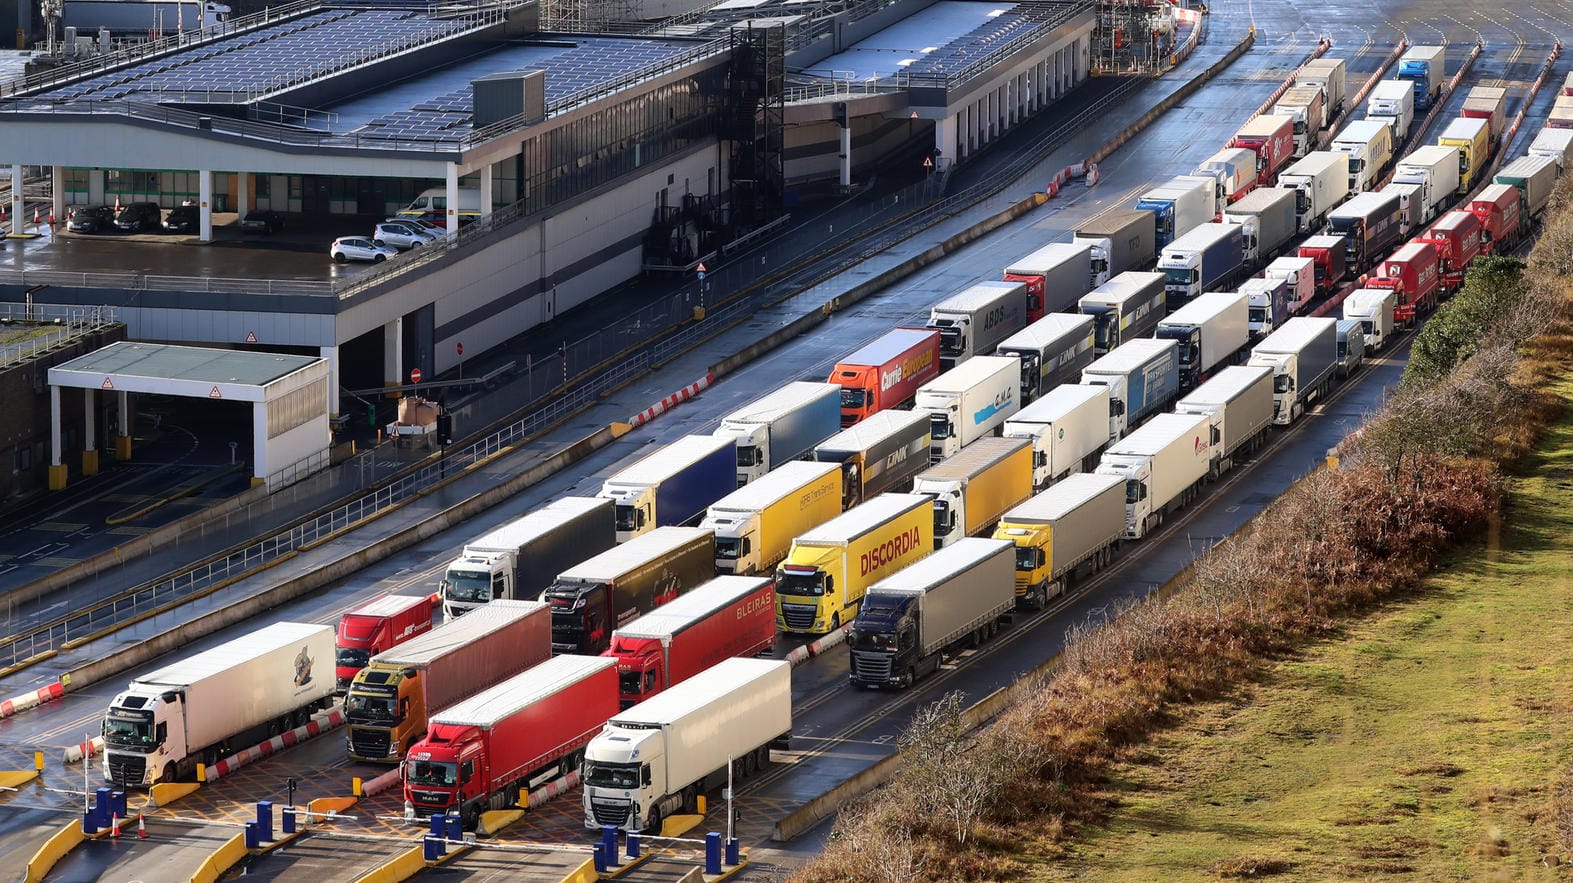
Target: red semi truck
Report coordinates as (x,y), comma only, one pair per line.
(492,748)
(1414,271)
(1271,138)
(377,625)
(1498,208)
(1456,236)
(886,373)
(1329,257)
(726,617)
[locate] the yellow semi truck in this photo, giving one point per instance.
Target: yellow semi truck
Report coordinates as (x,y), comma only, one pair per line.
(822,581)
(972,489)
(1078,521)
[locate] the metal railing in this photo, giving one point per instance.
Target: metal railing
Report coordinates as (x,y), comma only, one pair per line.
(54,326)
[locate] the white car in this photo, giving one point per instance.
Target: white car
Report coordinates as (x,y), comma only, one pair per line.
(402,234)
(359,248)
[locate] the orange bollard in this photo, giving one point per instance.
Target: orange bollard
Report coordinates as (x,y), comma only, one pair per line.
(114,827)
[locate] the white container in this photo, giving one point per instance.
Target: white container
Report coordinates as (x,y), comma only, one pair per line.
(1068,427)
(968,402)
(1239,403)
(1162,463)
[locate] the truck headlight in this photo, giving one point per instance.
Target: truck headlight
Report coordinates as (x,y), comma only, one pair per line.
(819,623)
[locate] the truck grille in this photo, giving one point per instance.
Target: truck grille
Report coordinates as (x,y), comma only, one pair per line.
(798,616)
(429,799)
(369,743)
(127,770)
(1022,581)
(868,666)
(610,812)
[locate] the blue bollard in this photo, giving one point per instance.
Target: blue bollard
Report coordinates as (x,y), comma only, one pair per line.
(713,853)
(731,852)
(265,820)
(118,803)
(252,842)
(633,844)
(609,844)
(455,826)
(288,819)
(89,821)
(436,848)
(600,859)
(101,806)
(435,825)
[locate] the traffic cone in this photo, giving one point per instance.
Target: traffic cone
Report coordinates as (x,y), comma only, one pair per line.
(51,219)
(35,219)
(117,205)
(141,827)
(114,826)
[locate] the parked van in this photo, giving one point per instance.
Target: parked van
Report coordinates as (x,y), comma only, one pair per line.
(432,205)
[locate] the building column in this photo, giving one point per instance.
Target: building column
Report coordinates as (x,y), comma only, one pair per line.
(95,186)
(846,157)
(205,205)
(452,192)
(259,443)
(57,469)
(57,191)
(486,190)
(123,440)
(89,437)
(945,137)
(331,353)
(242,193)
(16,199)
(393,353)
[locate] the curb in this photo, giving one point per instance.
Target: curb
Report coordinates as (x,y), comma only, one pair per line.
(673,400)
(806,652)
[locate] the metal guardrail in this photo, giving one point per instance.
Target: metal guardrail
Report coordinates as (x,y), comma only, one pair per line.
(60,326)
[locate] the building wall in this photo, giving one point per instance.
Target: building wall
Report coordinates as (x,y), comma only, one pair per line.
(813,150)
(24,434)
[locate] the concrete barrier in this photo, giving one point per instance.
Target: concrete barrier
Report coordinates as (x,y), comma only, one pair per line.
(30,700)
(585,873)
(81,750)
(397,869)
(16,778)
(381,783)
(165,793)
(319,724)
(221,860)
(53,850)
(812,649)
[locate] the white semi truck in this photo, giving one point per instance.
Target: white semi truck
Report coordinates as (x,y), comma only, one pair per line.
(1163,463)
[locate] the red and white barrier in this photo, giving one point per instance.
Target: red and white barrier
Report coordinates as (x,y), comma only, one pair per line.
(316,726)
(810,650)
(672,400)
(381,783)
(91,748)
(554,788)
(17,704)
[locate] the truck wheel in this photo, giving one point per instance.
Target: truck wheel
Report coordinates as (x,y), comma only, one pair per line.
(511,795)
(908,677)
(835,622)
(652,825)
(763,761)
(1042,601)
(169,774)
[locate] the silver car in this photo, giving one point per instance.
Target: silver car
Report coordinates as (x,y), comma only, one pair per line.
(402,234)
(359,248)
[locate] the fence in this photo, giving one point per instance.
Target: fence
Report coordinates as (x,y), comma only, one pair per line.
(52,326)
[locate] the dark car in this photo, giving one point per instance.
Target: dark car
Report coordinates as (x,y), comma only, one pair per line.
(262,221)
(137,217)
(182,219)
(91,219)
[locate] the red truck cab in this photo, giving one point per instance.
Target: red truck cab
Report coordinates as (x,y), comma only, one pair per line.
(1414,271)
(1329,257)
(1498,207)
(886,373)
(376,626)
(1271,138)
(1456,236)
(726,617)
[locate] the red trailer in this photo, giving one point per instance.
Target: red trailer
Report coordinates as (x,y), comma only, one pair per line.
(1498,207)
(1414,271)
(377,625)
(726,617)
(486,751)
(1328,256)
(1271,138)
(1456,236)
(886,373)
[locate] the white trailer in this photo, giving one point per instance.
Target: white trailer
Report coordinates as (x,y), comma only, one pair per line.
(1069,428)
(976,320)
(1330,74)
(1392,102)
(1373,308)
(1321,181)
(1302,354)
(968,402)
(782,426)
(655,759)
(1209,332)
(227,698)
(1300,273)
(1163,464)
(1268,300)
(1239,403)
(1267,221)
(1055,275)
(1435,169)
(1178,205)
(1535,177)
(1369,146)
(1555,143)
(1234,168)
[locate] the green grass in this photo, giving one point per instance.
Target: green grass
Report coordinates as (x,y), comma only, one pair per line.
(1424,742)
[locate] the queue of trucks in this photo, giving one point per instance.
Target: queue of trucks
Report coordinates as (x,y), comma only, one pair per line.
(754,525)
(973,488)
(1117,240)
(1068,429)
(521,558)
(1124,308)
(880,454)
(1052,351)
(977,320)
(671,486)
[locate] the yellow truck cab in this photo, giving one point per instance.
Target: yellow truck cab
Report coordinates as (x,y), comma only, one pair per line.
(1472,137)
(1078,521)
(821,583)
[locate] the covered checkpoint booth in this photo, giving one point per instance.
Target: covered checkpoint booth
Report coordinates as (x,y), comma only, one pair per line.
(288,396)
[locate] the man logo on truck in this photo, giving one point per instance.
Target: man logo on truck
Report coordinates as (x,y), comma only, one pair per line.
(303,662)
(889,551)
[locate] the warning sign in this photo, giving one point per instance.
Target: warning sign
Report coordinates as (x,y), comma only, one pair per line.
(251,337)
(214,393)
(107,384)
(701,268)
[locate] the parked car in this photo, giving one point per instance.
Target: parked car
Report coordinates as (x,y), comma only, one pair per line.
(182,219)
(262,221)
(359,248)
(402,234)
(91,219)
(138,216)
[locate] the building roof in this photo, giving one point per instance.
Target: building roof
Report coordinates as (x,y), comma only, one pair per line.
(161,361)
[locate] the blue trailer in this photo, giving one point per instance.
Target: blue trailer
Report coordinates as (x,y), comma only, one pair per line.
(1143,378)
(1208,258)
(673,486)
(783,426)
(1423,67)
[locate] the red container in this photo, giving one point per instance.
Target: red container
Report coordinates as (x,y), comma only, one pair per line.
(1329,257)
(886,373)
(1498,207)
(1456,236)
(726,617)
(377,625)
(1271,138)
(507,737)
(1414,271)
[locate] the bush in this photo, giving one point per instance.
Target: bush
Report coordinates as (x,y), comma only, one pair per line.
(1493,289)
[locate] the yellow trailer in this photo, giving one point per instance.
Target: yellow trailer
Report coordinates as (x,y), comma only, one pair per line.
(973,488)
(1472,137)
(821,583)
(756,524)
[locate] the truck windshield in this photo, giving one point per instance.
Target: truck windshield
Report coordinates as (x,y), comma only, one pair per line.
(941,518)
(428,772)
(1135,492)
(1258,315)
(853,397)
(369,709)
(797,582)
(951,342)
(122,731)
(627,518)
(939,427)
(728,548)
(472,588)
(1026,558)
(1177,276)
(611,775)
(1282,383)
(352,657)
(749,455)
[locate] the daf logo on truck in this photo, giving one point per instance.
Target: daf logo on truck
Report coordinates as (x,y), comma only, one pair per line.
(889,551)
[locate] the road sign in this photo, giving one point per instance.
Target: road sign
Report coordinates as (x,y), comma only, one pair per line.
(460,347)
(928,162)
(214,393)
(415,375)
(700,270)
(251,337)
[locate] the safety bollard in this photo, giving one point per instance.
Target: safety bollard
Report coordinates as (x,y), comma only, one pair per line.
(701,804)
(436,848)
(731,852)
(117,804)
(252,842)
(357,787)
(435,825)
(600,859)
(713,853)
(202,773)
(89,822)
(265,821)
(38,761)
(101,805)
(455,830)
(609,844)
(633,844)
(287,816)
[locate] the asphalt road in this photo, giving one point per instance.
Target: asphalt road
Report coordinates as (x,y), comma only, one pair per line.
(839,731)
